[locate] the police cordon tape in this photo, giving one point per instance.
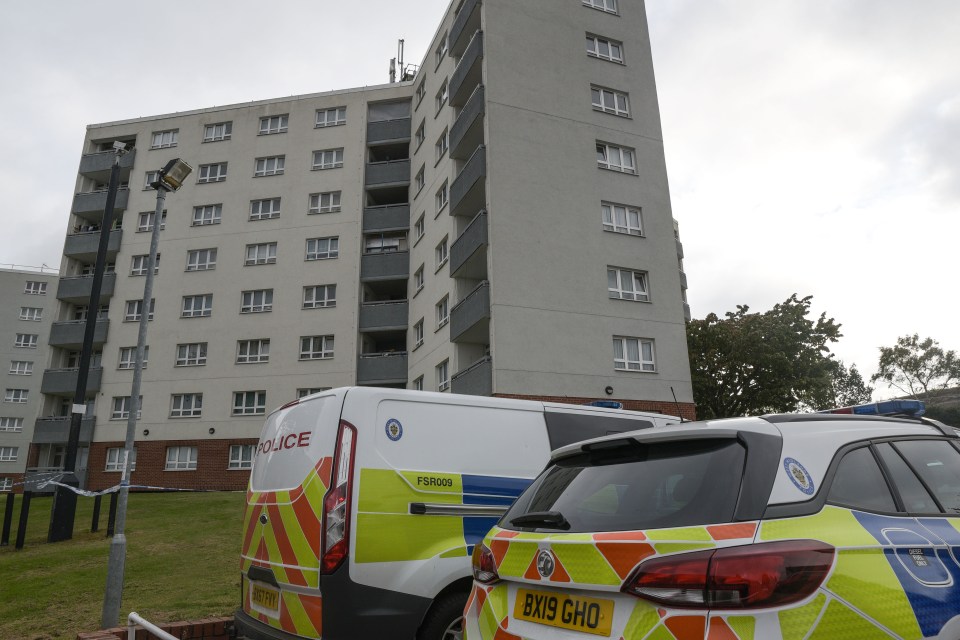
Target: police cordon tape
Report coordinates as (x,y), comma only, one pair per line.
(54,481)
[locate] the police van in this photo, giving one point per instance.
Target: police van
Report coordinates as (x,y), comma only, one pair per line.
(365,504)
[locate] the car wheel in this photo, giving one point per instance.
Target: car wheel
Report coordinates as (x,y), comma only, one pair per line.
(445,619)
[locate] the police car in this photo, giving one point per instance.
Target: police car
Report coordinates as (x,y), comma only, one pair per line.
(786,526)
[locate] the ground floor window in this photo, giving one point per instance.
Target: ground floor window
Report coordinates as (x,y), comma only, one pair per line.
(181,458)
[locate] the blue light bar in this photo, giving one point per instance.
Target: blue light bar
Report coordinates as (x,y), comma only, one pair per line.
(606,404)
(914,408)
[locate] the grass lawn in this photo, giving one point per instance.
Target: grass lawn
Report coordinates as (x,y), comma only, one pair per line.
(182,564)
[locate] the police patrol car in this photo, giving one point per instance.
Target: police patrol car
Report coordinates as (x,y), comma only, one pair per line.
(816,526)
(365,504)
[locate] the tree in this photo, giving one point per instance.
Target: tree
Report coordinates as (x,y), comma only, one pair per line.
(917,367)
(755,363)
(848,387)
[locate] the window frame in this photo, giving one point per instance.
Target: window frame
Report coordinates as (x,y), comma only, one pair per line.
(176,464)
(205,311)
(258,212)
(127,358)
(265,166)
(240,461)
(328,301)
(613,226)
(607,149)
(619,292)
(610,43)
(442,309)
(26,340)
(194,262)
(253,351)
(211,129)
(35,288)
(167,140)
(332,251)
(264,306)
(308,351)
(321,161)
(190,405)
(200,218)
(337,121)
(641,362)
(335,199)
(270,248)
(207,175)
(601,5)
(600,103)
(267,127)
(189,358)
(443,375)
(258,408)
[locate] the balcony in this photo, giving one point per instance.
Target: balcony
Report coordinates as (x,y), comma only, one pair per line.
(69,335)
(467,257)
(466,134)
(686,312)
(388,174)
(679,249)
(464,24)
(391,217)
(97,165)
(384,266)
(383,316)
(475,380)
(63,382)
(92,205)
(388,130)
(683,280)
(57,430)
(77,289)
(83,246)
(468,192)
(469,72)
(470,318)
(382,368)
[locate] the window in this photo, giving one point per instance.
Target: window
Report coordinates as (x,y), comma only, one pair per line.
(420,179)
(441,145)
(145,221)
(624,284)
(264,253)
(441,50)
(604,48)
(442,96)
(421,91)
(318,296)
(303,393)
(6,483)
(421,133)
(186,405)
(138,265)
(115,457)
(72,360)
(9,454)
(615,158)
(34,314)
(621,219)
(316,347)
(121,408)
(241,456)
(253,351)
(216,172)
(633,354)
(274,124)
(150,178)
(35,288)
(420,226)
(201,260)
(443,311)
(418,334)
(327,202)
(134,309)
(128,357)
(916,499)
(860,484)
(191,354)
(269,166)
(441,197)
(81,311)
(610,101)
(256,301)
(17,396)
(200,306)
(26,340)
(610,6)
(328,159)
(441,254)
(11,424)
(181,459)
(323,248)
(418,384)
(265,209)
(217,132)
(21,368)
(87,269)
(207,214)
(389,242)
(164,139)
(938,465)
(249,403)
(443,376)
(331,117)
(418,280)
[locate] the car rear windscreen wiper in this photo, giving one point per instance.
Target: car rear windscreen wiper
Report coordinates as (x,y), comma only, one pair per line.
(553,519)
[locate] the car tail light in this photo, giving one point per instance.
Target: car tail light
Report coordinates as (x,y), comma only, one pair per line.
(336,504)
(763,575)
(484,565)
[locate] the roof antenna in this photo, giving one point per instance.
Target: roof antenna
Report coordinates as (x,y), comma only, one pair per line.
(678,405)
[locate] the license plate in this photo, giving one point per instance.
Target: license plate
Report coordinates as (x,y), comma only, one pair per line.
(265,599)
(589,615)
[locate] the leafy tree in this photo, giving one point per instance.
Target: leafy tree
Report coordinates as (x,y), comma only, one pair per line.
(849,387)
(754,363)
(917,367)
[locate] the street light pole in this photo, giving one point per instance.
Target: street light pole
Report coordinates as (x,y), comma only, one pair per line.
(64,500)
(170,179)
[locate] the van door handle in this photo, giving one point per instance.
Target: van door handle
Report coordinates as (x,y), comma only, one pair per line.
(262,574)
(424,509)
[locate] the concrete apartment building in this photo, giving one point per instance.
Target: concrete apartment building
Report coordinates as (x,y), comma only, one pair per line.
(27,305)
(497,222)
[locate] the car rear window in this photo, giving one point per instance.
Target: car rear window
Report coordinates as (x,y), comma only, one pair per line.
(938,465)
(638,486)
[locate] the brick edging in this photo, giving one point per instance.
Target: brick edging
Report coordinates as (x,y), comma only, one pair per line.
(203,629)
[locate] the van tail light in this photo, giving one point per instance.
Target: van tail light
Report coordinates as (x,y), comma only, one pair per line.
(484,565)
(770,574)
(335,543)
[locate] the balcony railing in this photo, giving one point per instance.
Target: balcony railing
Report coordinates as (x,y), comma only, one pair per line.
(467,260)
(70,333)
(465,23)
(84,245)
(470,318)
(56,430)
(468,191)
(61,382)
(389,173)
(468,73)
(384,266)
(391,217)
(382,368)
(475,380)
(383,316)
(77,289)
(466,134)
(388,130)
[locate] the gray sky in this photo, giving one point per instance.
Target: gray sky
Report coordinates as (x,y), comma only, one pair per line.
(813,146)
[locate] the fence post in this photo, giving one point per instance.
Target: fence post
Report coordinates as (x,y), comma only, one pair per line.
(112,519)
(24,513)
(95,522)
(7,521)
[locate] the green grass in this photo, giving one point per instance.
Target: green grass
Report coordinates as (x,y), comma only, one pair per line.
(182,564)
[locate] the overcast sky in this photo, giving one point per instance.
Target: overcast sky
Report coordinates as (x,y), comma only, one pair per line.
(813,146)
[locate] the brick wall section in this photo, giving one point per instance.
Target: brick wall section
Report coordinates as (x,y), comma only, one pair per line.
(17,484)
(205,629)
(688,410)
(211,473)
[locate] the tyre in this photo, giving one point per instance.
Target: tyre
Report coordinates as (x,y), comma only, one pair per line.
(444,621)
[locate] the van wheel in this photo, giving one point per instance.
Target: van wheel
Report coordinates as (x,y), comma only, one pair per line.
(445,619)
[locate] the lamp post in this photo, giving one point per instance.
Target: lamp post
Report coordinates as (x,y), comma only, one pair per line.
(170,179)
(64,500)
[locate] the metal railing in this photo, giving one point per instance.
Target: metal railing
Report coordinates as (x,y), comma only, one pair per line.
(134,619)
